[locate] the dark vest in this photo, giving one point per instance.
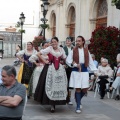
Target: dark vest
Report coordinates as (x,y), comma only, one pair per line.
(66,50)
(76,56)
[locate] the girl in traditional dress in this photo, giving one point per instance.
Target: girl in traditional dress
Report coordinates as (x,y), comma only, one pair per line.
(80,59)
(28,67)
(39,67)
(52,85)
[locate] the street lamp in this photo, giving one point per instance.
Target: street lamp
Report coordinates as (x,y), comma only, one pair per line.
(44,9)
(21,22)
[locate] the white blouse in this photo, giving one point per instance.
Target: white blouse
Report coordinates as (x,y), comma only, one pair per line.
(69,49)
(118,57)
(34,58)
(104,71)
(22,52)
(50,49)
(91,65)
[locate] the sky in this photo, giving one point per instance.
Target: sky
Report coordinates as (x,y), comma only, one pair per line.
(10,11)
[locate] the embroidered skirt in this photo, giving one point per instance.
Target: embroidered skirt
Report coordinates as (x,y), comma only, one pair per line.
(34,79)
(43,85)
(27,72)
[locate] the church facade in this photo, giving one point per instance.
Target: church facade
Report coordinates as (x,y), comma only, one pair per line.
(80,17)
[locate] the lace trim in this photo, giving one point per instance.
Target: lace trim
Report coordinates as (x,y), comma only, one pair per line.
(56,54)
(56,83)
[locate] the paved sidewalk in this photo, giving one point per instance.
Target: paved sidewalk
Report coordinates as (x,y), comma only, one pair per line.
(93,108)
(8,61)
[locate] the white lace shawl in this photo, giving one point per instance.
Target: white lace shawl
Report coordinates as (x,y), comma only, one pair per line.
(50,49)
(22,52)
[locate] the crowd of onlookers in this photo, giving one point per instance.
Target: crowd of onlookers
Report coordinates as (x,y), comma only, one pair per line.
(108,79)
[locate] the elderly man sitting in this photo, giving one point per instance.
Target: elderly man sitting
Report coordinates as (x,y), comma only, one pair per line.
(12,95)
(104,74)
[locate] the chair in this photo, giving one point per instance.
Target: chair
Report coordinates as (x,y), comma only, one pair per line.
(25,103)
(114,77)
(97,90)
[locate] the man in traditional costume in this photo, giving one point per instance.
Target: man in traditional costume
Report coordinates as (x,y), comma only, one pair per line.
(68,48)
(80,59)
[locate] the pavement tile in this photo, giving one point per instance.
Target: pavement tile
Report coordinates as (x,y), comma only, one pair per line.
(93,108)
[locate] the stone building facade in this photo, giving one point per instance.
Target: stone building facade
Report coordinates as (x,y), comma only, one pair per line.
(80,17)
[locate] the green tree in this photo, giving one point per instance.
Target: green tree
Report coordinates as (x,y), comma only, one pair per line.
(116,3)
(104,43)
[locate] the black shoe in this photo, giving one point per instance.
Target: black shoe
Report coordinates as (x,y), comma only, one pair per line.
(117,97)
(107,90)
(28,97)
(101,97)
(52,109)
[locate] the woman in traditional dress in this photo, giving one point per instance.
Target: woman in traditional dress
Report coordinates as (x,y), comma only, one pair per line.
(80,58)
(28,67)
(37,71)
(52,84)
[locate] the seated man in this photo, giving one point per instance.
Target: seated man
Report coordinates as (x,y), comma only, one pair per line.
(104,74)
(12,95)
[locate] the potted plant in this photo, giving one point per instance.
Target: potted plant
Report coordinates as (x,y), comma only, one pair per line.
(44,26)
(37,41)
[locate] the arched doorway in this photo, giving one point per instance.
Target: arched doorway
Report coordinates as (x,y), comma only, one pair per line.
(53,24)
(71,22)
(102,11)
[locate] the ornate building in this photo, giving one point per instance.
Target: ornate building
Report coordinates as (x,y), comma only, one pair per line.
(80,17)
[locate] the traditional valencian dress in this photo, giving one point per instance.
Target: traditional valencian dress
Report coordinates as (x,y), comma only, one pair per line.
(52,85)
(36,73)
(27,67)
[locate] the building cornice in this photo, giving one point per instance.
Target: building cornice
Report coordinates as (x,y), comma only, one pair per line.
(60,3)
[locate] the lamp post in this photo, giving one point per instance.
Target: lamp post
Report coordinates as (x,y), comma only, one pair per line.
(21,23)
(44,9)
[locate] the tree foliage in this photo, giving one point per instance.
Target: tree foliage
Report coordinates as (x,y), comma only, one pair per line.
(104,43)
(116,3)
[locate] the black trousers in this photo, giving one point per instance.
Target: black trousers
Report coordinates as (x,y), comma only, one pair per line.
(103,81)
(9,118)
